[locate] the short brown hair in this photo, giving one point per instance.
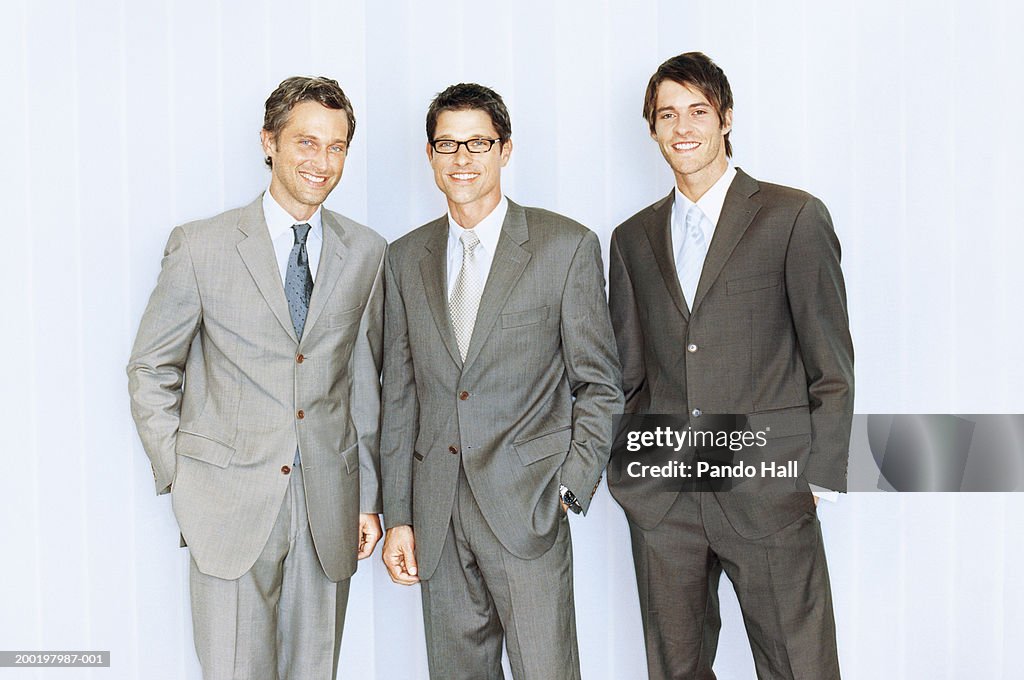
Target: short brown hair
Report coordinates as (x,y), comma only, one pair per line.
(298,89)
(696,70)
(468,96)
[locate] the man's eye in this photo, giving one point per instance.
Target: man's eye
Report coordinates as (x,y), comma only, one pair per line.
(305,142)
(666,116)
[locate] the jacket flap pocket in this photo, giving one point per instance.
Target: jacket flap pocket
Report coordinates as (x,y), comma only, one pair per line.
(749,283)
(199,447)
(351,458)
(782,423)
(524,318)
(344,318)
(546,445)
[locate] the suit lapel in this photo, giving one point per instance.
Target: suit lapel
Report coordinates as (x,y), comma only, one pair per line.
(738,212)
(332,259)
(509,262)
(257,252)
(658,225)
(433,270)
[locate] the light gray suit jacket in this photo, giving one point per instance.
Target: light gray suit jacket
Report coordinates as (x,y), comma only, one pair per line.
(222,390)
(542,337)
(768,334)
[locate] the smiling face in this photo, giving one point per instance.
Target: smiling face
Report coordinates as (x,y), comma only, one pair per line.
(691,137)
(470,181)
(308,157)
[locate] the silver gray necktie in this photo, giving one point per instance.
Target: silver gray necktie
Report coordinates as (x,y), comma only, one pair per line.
(466,293)
(692,251)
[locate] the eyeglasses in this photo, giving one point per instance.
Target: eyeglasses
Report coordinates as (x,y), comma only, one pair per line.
(450,146)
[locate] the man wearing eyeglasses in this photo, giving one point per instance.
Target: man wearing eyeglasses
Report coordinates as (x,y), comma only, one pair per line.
(500,382)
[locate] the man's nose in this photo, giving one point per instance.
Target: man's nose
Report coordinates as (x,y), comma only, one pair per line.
(320,159)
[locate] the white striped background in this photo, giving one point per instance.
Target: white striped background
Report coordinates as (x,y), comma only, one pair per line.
(125,118)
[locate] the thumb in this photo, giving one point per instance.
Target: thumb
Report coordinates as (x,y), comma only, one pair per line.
(410,559)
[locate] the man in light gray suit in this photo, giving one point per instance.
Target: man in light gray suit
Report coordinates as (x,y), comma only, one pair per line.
(254,383)
(727,299)
(500,383)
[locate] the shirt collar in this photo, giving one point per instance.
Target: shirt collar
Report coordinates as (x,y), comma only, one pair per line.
(488,229)
(713,199)
(280,220)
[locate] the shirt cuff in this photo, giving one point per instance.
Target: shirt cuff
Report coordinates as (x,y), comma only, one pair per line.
(824,494)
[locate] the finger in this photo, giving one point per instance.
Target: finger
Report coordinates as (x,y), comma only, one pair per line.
(410,561)
(396,565)
(366,546)
(364,535)
(369,544)
(393,563)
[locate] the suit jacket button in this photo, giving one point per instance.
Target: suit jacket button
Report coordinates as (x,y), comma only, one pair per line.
(463,395)
(691,348)
(301,414)
(299,359)
(285,470)
(696,413)
(452,449)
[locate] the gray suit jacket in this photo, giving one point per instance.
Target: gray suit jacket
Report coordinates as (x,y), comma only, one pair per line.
(222,391)
(542,337)
(771,335)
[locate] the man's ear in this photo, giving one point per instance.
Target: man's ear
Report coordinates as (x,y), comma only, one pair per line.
(727,121)
(268,143)
(506,151)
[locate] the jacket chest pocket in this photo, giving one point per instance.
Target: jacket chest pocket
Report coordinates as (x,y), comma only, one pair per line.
(345,318)
(527,317)
(747,284)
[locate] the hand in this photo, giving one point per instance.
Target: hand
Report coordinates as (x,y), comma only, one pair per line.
(369,534)
(816,499)
(565,508)
(399,555)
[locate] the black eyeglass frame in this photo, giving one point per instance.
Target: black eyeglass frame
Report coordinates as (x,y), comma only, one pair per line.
(490,145)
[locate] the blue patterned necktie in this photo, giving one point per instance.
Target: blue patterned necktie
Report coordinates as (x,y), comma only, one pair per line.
(692,251)
(298,283)
(298,287)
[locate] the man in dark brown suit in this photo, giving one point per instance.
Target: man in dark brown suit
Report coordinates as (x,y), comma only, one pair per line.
(727,298)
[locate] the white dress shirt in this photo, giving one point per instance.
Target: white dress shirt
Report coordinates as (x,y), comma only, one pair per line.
(488,231)
(279,223)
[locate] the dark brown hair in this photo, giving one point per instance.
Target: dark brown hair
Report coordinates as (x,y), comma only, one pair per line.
(696,70)
(298,89)
(466,96)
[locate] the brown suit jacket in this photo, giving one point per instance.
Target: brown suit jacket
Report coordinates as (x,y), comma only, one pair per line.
(768,337)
